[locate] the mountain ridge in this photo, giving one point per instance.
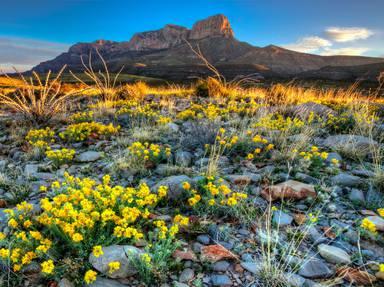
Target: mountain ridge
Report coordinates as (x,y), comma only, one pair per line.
(166,53)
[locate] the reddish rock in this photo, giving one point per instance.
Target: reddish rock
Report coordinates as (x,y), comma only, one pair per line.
(213,253)
(290,189)
(356,276)
(184,255)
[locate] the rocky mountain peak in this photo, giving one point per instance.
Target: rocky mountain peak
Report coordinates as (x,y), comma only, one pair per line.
(217,25)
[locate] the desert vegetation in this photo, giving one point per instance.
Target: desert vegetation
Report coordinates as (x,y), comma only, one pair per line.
(218,183)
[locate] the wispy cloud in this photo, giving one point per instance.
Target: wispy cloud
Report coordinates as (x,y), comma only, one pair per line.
(350,51)
(25,53)
(347,34)
(309,44)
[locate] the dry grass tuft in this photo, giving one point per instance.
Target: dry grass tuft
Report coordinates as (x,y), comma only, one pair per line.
(37,100)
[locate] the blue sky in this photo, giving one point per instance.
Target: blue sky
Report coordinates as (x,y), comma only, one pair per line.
(34,31)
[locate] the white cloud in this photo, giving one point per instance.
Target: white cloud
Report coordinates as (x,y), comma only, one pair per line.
(309,44)
(347,34)
(350,51)
(26,53)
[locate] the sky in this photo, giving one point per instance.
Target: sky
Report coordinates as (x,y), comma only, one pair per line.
(38,30)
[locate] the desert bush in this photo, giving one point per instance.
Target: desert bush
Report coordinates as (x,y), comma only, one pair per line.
(104,83)
(38,100)
(136,90)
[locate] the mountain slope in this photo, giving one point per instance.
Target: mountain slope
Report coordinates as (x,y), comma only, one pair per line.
(165,53)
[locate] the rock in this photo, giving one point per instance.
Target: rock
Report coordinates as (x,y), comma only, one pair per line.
(334,254)
(290,189)
(220,266)
(217,25)
(88,156)
(184,255)
(187,275)
(333,155)
(213,253)
(294,280)
(30,169)
(120,253)
(314,268)
(239,179)
(316,236)
(203,239)
(173,127)
(43,176)
(345,179)
(104,282)
(253,267)
(281,219)
(183,158)
(3,164)
(356,195)
(360,144)
(221,280)
(356,276)
(65,283)
(378,221)
(380,275)
(306,178)
(174,183)
(179,284)
(303,110)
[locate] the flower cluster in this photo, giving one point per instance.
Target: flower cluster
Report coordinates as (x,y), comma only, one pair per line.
(213,192)
(60,156)
(40,138)
(83,131)
(279,122)
(197,111)
(81,216)
(81,117)
(148,154)
(262,146)
(314,160)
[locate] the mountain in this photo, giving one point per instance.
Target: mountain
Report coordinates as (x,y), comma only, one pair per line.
(166,53)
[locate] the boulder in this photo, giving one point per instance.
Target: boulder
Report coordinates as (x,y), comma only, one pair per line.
(290,189)
(174,183)
(120,253)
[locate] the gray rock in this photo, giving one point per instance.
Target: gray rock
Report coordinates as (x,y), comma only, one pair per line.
(306,178)
(314,268)
(316,236)
(187,275)
(203,239)
(294,280)
(43,176)
(3,164)
(221,266)
(280,218)
(174,183)
(253,267)
(356,195)
(334,254)
(30,169)
(65,283)
(221,280)
(174,127)
(333,155)
(183,158)
(104,282)
(345,179)
(120,253)
(88,156)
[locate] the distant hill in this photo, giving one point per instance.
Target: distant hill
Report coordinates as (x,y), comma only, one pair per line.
(165,54)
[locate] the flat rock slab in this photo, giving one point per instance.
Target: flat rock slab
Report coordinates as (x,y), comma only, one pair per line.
(315,269)
(290,189)
(334,254)
(89,156)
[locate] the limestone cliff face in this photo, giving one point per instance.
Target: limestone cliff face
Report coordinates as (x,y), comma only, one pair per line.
(217,25)
(169,36)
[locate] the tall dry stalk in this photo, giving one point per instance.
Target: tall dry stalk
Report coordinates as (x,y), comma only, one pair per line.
(37,99)
(104,83)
